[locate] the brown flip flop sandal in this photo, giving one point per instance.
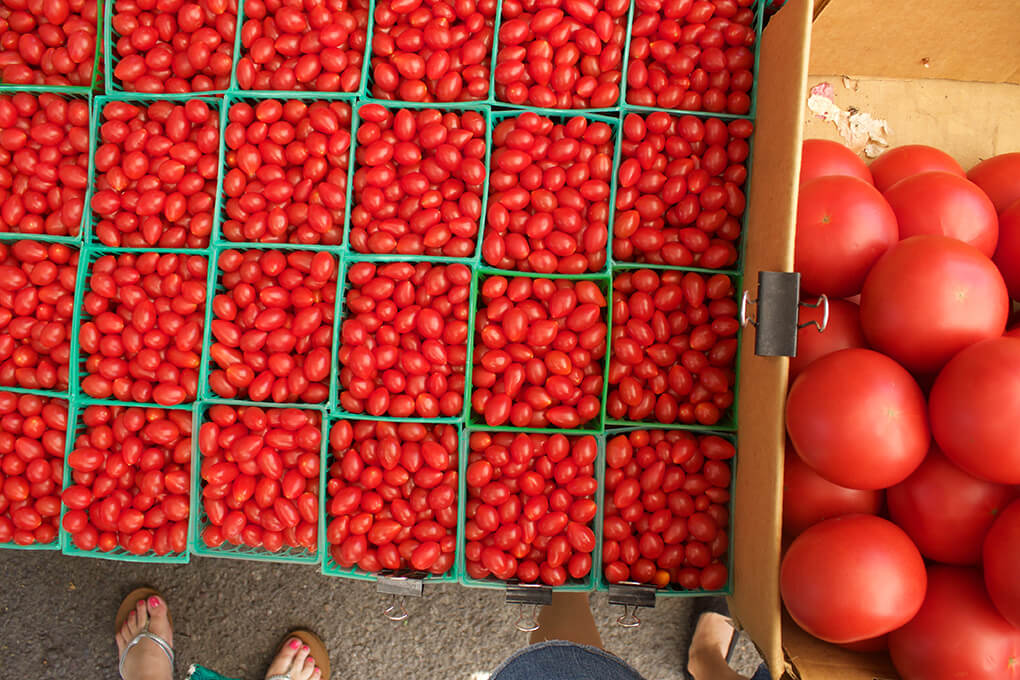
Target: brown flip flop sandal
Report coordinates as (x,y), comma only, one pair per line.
(126,607)
(317,650)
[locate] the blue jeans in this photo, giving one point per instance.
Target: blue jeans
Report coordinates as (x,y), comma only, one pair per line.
(561,660)
(553,660)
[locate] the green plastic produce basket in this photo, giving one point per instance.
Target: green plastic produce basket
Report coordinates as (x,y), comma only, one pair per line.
(89,256)
(71,371)
(341,311)
(199,520)
(119,554)
(98,104)
(97,61)
(368,78)
(55,543)
(215,287)
(728,423)
(759,17)
(741,244)
(595,426)
(457,107)
(240,51)
(329,565)
(495,101)
(110,38)
(253,98)
(562,116)
(671,590)
(588,583)
(67,93)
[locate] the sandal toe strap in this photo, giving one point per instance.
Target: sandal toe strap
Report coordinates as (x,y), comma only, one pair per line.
(146,635)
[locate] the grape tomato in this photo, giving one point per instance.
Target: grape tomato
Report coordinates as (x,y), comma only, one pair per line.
(48,44)
(539,351)
(680,193)
(667,509)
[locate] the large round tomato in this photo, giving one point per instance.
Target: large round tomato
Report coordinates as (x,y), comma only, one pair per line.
(907,161)
(928,298)
(843,226)
(975,408)
(822,158)
(842,331)
(858,419)
(809,498)
(946,511)
(947,204)
(852,578)
(1002,563)
(957,633)
(1007,253)
(999,177)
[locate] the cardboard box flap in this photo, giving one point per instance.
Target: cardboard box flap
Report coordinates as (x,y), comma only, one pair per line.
(969,121)
(977,40)
(771,217)
(813,659)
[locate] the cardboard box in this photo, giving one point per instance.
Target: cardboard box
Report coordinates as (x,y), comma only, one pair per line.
(942,73)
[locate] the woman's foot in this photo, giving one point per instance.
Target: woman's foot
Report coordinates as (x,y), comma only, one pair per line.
(706,659)
(295,661)
(146,660)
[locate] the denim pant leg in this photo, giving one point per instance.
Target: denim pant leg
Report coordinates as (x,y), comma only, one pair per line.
(562,660)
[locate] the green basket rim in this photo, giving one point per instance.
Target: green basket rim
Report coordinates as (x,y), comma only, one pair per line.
(674,590)
(328,566)
(589,582)
(118,554)
(197,517)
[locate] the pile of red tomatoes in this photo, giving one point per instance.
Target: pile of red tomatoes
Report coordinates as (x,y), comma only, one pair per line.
(903,468)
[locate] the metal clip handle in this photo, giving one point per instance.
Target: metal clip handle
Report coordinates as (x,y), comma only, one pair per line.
(823,302)
(396,611)
(629,618)
(525,623)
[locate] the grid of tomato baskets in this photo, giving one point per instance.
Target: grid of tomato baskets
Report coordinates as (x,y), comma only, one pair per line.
(410,322)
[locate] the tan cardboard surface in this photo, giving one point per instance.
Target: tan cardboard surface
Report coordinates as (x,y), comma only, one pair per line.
(969,121)
(817,660)
(771,218)
(973,40)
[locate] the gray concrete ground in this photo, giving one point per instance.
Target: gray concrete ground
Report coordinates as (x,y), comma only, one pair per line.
(56,621)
